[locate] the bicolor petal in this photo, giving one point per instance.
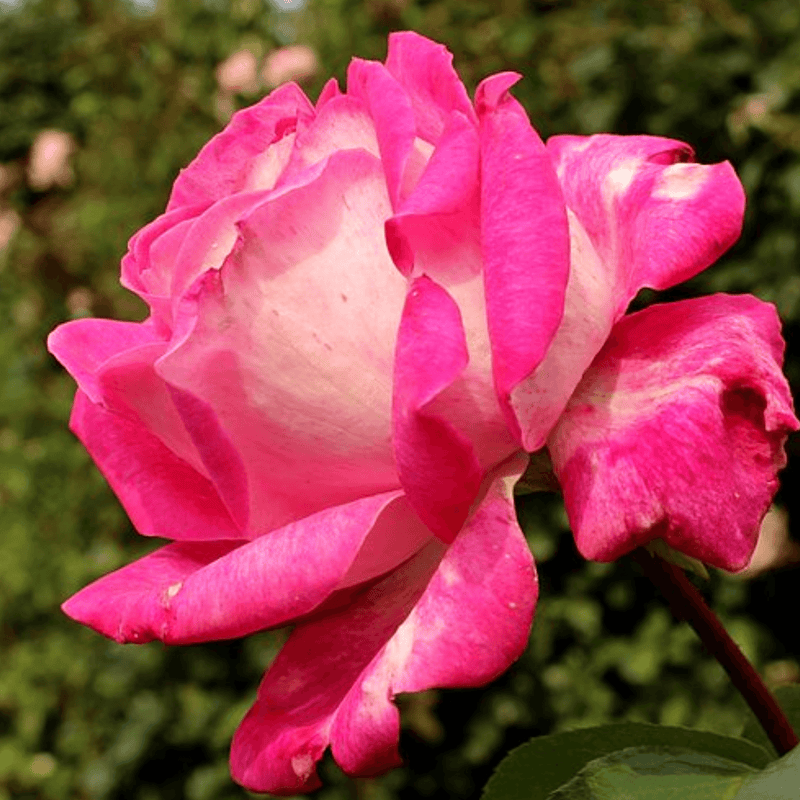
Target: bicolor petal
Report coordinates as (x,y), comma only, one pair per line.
(654,216)
(524,240)
(342,123)
(243,157)
(201,591)
(113,364)
(291,345)
(437,464)
(436,230)
(640,214)
(147,266)
(676,432)
(425,70)
(285,733)
(392,114)
(163,494)
(85,346)
(454,618)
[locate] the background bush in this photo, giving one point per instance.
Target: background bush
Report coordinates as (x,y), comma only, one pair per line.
(81,717)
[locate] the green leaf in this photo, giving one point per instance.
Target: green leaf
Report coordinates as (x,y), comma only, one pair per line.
(788,698)
(779,781)
(537,768)
(656,773)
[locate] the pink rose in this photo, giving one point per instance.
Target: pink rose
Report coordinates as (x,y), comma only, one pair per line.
(297,62)
(49,160)
(238,73)
(364,315)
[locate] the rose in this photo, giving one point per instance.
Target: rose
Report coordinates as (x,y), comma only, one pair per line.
(363,315)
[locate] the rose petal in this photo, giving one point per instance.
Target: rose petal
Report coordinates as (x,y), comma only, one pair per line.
(436,463)
(84,346)
(317,309)
(238,159)
(210,240)
(194,592)
(676,431)
(329,91)
(638,216)
(284,734)
(147,266)
(470,625)
(524,239)
(162,494)
(113,364)
(221,462)
(589,313)
(460,624)
(436,228)
(393,117)
(425,71)
(654,219)
(343,123)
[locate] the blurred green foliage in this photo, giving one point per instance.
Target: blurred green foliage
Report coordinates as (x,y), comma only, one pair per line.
(135,86)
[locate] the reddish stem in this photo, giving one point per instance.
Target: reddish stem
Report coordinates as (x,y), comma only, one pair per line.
(688,604)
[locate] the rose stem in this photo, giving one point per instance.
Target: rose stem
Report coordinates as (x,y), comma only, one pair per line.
(688,604)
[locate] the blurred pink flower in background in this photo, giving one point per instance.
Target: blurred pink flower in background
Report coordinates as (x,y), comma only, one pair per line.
(364,314)
(49,160)
(293,63)
(238,74)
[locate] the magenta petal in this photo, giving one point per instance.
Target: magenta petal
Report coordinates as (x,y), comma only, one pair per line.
(436,463)
(589,314)
(113,363)
(436,230)
(285,733)
(329,91)
(235,159)
(162,494)
(194,592)
(147,266)
(475,617)
(639,215)
(391,111)
(524,238)
(222,463)
(131,604)
(457,620)
(676,432)
(425,70)
(470,625)
(654,218)
(84,346)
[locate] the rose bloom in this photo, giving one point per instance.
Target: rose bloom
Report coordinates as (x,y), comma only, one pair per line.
(297,62)
(364,314)
(49,160)
(238,73)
